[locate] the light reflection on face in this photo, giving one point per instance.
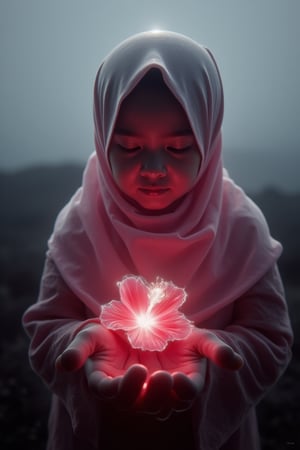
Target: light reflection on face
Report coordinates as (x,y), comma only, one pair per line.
(153,154)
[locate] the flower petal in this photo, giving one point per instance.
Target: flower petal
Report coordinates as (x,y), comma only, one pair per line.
(134,294)
(174,297)
(115,316)
(146,340)
(174,326)
(148,313)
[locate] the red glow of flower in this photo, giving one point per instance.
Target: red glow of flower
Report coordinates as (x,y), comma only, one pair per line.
(148,313)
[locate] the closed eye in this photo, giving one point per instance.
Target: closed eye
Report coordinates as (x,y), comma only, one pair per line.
(179,149)
(129,149)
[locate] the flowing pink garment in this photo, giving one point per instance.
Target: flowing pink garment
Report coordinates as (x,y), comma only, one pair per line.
(216,245)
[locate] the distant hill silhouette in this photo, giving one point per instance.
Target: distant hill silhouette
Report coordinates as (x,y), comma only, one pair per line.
(31,198)
(282,212)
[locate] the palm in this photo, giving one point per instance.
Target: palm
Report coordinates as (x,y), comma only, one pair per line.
(151,382)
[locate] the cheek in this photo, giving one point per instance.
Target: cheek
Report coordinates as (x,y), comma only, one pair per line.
(194,171)
(195,165)
(123,170)
(188,169)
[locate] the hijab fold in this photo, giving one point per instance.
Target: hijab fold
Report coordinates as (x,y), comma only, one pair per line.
(216,243)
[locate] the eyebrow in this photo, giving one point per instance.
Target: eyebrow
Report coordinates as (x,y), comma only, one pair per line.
(126,132)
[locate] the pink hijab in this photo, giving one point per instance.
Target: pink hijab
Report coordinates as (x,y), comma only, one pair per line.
(216,244)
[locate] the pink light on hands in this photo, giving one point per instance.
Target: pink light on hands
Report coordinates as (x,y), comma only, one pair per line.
(148,313)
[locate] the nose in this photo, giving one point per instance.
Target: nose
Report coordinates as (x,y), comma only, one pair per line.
(153,165)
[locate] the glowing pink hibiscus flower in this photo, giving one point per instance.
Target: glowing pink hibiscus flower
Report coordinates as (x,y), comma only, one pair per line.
(148,313)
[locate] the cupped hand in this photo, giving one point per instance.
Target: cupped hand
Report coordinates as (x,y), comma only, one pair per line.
(111,365)
(186,362)
(155,383)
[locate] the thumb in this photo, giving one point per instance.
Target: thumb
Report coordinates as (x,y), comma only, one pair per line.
(220,353)
(77,352)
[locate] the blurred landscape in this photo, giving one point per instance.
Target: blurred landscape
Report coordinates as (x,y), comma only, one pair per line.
(30,200)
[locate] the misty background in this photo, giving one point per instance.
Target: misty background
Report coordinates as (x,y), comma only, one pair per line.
(50,52)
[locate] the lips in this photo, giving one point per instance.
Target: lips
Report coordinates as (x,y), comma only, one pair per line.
(153,191)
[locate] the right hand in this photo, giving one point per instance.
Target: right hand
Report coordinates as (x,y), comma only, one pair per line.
(105,355)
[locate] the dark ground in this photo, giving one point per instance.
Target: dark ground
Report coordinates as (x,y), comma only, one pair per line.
(30,200)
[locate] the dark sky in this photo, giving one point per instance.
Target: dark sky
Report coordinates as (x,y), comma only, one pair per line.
(50,52)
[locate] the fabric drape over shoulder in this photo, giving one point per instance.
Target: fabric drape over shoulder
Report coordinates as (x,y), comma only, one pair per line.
(216,244)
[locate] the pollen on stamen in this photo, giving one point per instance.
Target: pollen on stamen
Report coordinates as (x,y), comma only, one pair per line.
(156,295)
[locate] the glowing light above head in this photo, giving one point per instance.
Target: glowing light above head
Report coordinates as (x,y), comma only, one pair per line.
(155,30)
(148,313)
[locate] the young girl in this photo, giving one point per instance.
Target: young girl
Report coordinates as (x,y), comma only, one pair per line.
(155,202)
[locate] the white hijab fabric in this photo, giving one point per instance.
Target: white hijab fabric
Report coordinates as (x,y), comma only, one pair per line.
(216,244)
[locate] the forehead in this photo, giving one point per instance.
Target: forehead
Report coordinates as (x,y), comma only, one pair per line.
(152,84)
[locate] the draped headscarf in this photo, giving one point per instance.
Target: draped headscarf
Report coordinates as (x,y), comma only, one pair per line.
(216,243)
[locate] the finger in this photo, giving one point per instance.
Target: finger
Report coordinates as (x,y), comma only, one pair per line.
(103,386)
(186,388)
(131,386)
(210,346)
(76,354)
(227,358)
(157,393)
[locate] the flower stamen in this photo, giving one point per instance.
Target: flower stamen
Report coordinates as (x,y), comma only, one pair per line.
(156,295)
(145,321)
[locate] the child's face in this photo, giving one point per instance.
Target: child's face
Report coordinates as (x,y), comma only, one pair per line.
(153,154)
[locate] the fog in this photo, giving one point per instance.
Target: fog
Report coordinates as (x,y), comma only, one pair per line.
(50,53)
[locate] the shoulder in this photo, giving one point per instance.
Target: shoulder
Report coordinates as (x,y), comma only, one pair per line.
(238,206)
(246,226)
